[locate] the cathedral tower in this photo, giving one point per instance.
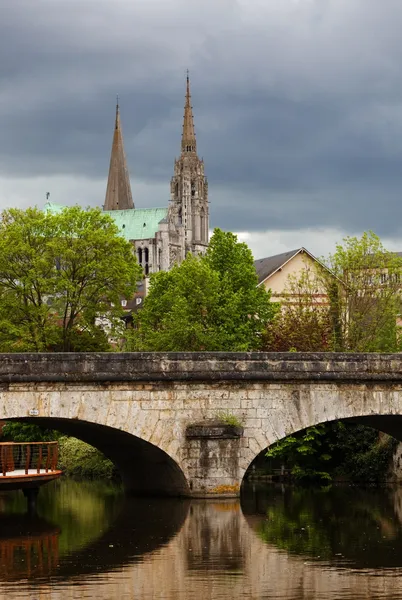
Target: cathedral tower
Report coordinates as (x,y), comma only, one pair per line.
(189,187)
(118,192)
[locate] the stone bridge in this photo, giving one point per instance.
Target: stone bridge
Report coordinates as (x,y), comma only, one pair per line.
(163,418)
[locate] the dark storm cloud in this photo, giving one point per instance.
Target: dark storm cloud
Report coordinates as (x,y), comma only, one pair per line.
(298,103)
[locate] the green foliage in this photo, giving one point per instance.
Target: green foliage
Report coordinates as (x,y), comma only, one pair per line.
(306,453)
(229,419)
(304,323)
(60,274)
(176,311)
(78,459)
(352,306)
(333,524)
(15,431)
(366,300)
(362,454)
(336,450)
(206,303)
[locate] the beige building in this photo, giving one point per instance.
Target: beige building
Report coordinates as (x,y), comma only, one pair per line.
(274,273)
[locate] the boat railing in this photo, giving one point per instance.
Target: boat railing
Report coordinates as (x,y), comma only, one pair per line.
(28,457)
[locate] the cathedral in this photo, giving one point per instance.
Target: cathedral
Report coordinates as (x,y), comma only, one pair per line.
(162,236)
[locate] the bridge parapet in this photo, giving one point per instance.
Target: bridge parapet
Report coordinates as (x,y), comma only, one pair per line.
(198,366)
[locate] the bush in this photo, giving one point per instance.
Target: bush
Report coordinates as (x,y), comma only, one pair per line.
(78,459)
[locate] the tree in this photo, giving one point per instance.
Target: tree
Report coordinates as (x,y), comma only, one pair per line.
(16,431)
(60,276)
(306,453)
(176,311)
(364,288)
(304,323)
(335,449)
(206,303)
(350,306)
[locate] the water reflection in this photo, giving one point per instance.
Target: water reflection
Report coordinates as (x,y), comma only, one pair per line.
(98,528)
(357,528)
(91,541)
(29,547)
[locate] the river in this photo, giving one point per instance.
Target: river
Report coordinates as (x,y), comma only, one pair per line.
(89,541)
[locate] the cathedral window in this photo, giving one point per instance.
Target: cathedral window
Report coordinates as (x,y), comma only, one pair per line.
(146,261)
(202,225)
(192,189)
(140,256)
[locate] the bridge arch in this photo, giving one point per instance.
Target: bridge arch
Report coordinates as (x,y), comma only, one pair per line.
(376,406)
(144,468)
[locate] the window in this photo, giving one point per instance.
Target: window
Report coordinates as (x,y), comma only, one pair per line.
(202,224)
(140,255)
(124,303)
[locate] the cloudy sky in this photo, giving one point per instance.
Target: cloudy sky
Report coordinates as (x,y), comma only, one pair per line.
(297,104)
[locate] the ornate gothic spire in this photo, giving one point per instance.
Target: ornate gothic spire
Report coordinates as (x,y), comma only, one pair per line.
(118,192)
(188,143)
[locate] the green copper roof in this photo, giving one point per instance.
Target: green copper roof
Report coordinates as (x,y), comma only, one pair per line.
(134,223)
(138,223)
(54,208)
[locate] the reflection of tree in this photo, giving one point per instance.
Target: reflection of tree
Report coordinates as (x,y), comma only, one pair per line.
(83,510)
(338,524)
(101,529)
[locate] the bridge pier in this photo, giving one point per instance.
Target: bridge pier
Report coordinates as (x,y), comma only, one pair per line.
(211,456)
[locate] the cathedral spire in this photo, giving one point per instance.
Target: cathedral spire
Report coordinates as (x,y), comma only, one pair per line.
(188,143)
(118,192)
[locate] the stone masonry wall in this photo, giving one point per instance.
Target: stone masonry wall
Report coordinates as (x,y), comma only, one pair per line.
(157,397)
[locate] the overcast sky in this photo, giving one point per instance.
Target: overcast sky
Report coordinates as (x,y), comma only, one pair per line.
(297,105)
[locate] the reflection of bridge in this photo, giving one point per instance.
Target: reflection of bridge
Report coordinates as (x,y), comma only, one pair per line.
(157,415)
(215,553)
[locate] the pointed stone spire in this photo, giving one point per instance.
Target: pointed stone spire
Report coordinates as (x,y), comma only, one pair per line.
(118,192)
(188,143)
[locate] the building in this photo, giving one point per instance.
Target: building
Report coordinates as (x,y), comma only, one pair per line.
(274,273)
(161,236)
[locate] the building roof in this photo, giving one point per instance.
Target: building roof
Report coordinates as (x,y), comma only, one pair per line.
(138,223)
(118,191)
(188,142)
(267,266)
(134,223)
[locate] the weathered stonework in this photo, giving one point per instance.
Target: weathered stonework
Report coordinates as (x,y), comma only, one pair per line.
(212,452)
(151,413)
